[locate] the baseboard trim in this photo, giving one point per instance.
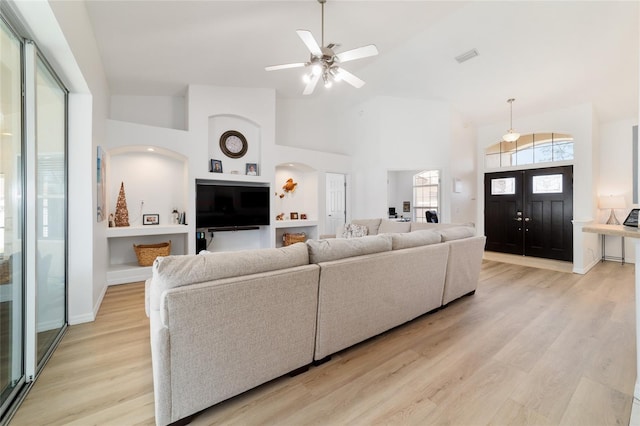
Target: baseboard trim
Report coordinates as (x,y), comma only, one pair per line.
(587,268)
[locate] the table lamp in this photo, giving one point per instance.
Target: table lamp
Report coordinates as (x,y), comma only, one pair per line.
(612,202)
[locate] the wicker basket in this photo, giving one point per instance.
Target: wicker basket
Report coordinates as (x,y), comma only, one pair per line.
(147,253)
(288,239)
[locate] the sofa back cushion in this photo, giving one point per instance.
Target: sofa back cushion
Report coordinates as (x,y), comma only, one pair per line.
(457,233)
(419,226)
(339,248)
(176,271)
(388,226)
(414,239)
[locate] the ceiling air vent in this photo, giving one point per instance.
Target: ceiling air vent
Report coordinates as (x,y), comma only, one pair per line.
(466,56)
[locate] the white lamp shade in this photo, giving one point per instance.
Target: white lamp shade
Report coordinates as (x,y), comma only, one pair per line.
(511,136)
(612,202)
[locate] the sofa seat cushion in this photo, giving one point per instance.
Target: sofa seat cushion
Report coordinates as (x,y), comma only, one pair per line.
(457,233)
(176,271)
(414,239)
(390,226)
(339,248)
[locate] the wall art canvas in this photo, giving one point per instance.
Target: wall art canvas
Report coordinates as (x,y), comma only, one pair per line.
(101,191)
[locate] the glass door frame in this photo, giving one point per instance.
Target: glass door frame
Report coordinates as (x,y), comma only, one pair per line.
(18,386)
(32,56)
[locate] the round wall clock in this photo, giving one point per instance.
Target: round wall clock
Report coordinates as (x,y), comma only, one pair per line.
(233,144)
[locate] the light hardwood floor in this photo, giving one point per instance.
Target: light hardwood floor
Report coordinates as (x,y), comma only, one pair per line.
(532,346)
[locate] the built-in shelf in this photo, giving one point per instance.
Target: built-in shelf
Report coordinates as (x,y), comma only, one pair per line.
(135,231)
(122,265)
(294,223)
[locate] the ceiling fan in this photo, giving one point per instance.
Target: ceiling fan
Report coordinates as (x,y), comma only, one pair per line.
(325,63)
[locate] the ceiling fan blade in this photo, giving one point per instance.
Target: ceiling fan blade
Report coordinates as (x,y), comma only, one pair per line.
(310,42)
(345,75)
(311,85)
(284,66)
(358,53)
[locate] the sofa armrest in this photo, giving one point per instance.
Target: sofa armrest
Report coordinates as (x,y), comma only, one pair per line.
(147,297)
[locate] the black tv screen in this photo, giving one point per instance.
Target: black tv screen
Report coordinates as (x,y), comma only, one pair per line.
(231,205)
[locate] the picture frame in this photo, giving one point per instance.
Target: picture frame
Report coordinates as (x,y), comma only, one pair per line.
(303,216)
(293,216)
(151,219)
(406,207)
(215,166)
(251,169)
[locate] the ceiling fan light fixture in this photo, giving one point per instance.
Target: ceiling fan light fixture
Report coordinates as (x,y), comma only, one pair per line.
(511,135)
(316,69)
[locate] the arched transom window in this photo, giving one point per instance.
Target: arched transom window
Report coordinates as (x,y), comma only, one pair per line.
(530,149)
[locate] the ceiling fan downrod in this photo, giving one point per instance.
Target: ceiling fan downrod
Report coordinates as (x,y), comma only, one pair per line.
(322,2)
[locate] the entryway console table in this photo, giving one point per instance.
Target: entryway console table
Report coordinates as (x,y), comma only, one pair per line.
(613,230)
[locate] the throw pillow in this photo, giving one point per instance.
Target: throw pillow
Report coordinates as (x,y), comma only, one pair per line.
(352,230)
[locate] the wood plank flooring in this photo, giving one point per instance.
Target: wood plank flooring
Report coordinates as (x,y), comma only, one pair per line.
(532,346)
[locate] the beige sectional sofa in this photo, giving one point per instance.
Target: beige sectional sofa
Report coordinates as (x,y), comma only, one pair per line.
(223,323)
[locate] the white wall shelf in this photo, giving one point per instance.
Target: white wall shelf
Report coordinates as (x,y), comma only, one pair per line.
(123,267)
(135,231)
(295,223)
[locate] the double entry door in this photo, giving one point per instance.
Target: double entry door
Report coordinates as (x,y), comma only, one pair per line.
(529,212)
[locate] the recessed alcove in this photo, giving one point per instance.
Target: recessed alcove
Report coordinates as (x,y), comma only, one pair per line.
(218,125)
(155,182)
(303,201)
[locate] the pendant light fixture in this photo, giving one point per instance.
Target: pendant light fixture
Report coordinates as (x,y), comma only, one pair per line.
(511,135)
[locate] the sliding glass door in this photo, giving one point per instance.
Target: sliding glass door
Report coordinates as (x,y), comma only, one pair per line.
(50,259)
(12,371)
(33,213)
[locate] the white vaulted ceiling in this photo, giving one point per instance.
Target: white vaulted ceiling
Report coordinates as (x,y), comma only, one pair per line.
(547,55)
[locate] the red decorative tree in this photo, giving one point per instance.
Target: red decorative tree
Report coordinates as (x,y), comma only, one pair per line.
(122,214)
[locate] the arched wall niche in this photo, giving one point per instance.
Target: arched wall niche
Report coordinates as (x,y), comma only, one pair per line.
(155,181)
(218,124)
(304,199)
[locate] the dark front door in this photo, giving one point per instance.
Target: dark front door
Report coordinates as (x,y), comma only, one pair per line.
(529,212)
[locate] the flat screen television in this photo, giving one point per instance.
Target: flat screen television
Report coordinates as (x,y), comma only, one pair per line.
(221,206)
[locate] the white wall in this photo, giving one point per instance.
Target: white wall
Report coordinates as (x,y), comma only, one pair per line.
(463,168)
(399,134)
(159,111)
(616,174)
(314,124)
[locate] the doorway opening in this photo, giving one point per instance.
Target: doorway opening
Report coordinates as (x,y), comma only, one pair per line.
(336,202)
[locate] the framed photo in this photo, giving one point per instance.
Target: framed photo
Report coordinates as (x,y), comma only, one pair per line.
(303,216)
(215,166)
(406,206)
(293,215)
(150,219)
(251,169)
